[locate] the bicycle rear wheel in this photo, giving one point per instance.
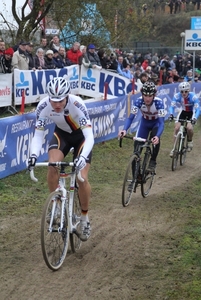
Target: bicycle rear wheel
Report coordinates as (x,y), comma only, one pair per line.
(75,241)
(54,242)
(130,180)
(183,151)
(147,177)
(176,153)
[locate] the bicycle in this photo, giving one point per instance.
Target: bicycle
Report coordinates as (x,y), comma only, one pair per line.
(61,216)
(137,173)
(180,145)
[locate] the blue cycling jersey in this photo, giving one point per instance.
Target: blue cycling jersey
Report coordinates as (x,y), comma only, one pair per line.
(187,104)
(154,116)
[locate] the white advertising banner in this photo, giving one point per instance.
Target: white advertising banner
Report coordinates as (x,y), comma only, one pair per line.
(5,90)
(92,83)
(33,83)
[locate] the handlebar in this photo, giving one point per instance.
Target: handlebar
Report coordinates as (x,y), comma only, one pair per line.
(54,164)
(134,138)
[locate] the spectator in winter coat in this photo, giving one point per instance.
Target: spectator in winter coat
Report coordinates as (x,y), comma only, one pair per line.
(20,58)
(5,61)
(103,59)
(74,53)
(39,59)
(49,62)
(57,60)
(126,70)
(29,49)
(145,64)
(93,57)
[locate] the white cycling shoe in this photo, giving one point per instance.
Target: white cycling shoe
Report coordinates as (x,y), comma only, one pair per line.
(190,146)
(85,230)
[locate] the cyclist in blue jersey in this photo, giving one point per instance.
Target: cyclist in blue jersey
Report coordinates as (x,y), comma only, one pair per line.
(152,121)
(189,109)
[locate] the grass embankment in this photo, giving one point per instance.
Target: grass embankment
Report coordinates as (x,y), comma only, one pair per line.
(18,196)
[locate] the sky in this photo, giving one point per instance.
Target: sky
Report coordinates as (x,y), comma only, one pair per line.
(5,9)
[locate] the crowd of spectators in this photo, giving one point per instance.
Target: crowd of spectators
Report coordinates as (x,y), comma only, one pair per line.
(137,67)
(175,6)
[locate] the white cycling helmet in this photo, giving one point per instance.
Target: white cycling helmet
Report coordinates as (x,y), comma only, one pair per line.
(184,86)
(58,89)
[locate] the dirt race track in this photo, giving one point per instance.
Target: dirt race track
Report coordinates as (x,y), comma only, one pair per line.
(126,256)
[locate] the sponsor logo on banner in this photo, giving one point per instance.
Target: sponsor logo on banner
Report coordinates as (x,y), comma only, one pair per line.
(88,82)
(33,83)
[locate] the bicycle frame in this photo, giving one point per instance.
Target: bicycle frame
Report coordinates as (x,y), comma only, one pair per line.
(67,196)
(182,131)
(136,172)
(180,147)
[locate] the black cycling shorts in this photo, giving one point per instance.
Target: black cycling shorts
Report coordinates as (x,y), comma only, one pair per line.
(185,115)
(64,141)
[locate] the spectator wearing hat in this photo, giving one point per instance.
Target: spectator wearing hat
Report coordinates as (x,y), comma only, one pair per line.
(39,59)
(49,62)
(2,46)
(5,61)
(57,60)
(74,53)
(93,57)
(29,49)
(20,58)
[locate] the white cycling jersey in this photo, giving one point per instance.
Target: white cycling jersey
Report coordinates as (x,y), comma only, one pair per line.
(74,116)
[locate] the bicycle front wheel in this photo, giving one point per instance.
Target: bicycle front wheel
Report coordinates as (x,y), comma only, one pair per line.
(54,241)
(75,241)
(147,177)
(183,151)
(176,152)
(130,180)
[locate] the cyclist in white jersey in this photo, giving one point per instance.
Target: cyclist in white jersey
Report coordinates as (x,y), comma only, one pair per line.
(189,109)
(73,129)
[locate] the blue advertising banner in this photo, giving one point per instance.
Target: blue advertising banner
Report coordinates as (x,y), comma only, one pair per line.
(15,137)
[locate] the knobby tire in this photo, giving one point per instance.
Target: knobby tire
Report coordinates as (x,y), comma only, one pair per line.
(130,180)
(176,152)
(147,176)
(183,153)
(54,244)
